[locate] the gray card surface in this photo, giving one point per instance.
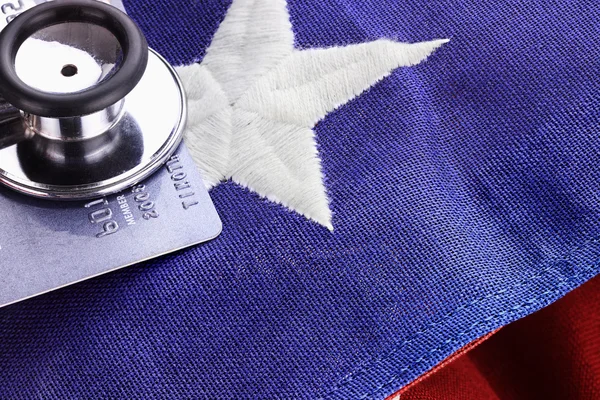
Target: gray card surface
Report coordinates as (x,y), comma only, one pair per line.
(45,245)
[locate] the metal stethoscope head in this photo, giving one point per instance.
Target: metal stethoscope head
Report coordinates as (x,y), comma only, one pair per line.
(88,109)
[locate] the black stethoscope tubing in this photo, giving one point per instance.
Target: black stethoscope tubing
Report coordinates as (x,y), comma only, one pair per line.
(59,105)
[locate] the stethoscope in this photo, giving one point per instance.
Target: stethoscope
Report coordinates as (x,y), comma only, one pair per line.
(88,109)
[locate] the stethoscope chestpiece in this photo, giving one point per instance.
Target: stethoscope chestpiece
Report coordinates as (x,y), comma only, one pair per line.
(88,109)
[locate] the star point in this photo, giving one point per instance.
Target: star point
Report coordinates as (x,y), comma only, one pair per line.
(254,101)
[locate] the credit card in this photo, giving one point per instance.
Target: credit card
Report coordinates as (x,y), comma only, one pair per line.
(45,245)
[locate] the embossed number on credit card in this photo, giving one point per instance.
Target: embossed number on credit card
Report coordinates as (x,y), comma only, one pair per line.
(45,244)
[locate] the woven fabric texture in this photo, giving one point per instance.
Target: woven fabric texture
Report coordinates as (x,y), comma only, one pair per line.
(464,193)
(552,354)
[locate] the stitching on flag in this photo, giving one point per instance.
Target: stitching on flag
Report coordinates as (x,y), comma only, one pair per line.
(275,95)
(588,271)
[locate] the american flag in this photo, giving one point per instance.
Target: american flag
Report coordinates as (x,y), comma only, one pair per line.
(396,179)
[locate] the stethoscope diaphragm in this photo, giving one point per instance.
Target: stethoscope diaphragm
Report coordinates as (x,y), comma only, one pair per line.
(89,110)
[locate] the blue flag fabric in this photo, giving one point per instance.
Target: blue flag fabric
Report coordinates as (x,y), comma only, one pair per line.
(464,192)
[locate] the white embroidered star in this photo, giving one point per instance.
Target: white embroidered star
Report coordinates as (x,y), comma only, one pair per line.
(255,99)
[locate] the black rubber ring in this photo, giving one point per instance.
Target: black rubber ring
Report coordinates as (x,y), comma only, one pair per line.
(56,105)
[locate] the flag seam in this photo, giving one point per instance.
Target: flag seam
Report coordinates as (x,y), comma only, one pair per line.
(560,282)
(483,322)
